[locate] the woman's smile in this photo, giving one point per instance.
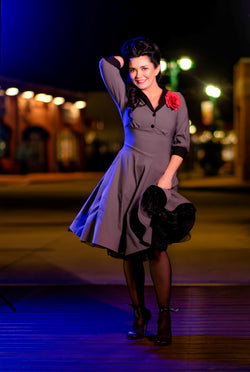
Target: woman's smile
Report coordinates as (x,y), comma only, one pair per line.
(143,72)
(141,81)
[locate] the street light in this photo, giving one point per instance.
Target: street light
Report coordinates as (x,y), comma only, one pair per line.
(28,94)
(42,97)
(80,104)
(209,107)
(185,63)
(213,91)
(164,65)
(58,101)
(174,67)
(12,92)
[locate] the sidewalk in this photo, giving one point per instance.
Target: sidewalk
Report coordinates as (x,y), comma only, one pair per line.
(206,183)
(30,178)
(36,246)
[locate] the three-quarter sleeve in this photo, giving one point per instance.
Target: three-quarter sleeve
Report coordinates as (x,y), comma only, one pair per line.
(181,140)
(110,72)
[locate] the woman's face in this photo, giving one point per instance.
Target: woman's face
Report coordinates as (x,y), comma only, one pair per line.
(143,72)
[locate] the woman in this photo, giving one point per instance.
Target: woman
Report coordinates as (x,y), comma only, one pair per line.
(122,214)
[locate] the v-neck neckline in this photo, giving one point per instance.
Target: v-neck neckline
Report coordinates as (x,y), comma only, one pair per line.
(162,101)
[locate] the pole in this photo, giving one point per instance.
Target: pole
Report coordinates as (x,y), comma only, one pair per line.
(174,72)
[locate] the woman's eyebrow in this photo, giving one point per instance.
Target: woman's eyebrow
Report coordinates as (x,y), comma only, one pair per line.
(139,67)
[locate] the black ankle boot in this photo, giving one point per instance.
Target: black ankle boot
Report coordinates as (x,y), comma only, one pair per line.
(139,329)
(164,334)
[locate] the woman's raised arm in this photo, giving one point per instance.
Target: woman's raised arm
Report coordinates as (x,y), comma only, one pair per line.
(110,72)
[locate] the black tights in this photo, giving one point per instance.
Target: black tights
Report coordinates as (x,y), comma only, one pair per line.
(160,270)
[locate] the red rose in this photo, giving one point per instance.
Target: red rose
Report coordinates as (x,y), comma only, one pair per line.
(173,100)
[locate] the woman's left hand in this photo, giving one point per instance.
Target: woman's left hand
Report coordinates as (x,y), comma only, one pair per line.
(165,183)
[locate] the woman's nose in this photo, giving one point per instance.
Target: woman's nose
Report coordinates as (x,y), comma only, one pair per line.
(138,74)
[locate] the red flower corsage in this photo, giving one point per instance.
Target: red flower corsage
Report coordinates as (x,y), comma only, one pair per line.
(173,100)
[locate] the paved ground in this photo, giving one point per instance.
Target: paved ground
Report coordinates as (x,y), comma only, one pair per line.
(36,247)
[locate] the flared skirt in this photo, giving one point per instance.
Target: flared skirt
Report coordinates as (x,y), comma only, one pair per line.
(111,217)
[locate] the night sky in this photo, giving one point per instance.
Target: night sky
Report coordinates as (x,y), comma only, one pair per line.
(59,42)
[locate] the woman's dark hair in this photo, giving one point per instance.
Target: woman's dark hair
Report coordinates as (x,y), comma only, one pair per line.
(136,48)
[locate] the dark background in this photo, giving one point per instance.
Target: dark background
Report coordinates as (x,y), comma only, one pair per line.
(59,42)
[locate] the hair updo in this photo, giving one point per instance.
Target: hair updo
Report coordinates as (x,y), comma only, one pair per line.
(141,47)
(136,48)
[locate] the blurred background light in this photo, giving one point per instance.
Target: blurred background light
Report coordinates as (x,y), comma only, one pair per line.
(48,98)
(192,129)
(28,94)
(219,134)
(185,63)
(163,64)
(206,136)
(213,91)
(67,105)
(80,104)
(59,101)
(40,97)
(12,91)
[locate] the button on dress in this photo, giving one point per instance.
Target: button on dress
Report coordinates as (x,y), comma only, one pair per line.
(111,217)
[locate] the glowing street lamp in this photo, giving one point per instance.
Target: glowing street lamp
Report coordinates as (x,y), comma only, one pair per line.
(59,101)
(28,94)
(213,91)
(13,91)
(164,65)
(174,67)
(80,104)
(185,63)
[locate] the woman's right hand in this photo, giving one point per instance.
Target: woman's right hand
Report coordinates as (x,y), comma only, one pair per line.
(120,59)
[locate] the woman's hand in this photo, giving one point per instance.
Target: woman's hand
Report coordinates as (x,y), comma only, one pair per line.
(165,183)
(120,59)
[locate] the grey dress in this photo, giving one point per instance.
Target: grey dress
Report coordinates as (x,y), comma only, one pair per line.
(110,216)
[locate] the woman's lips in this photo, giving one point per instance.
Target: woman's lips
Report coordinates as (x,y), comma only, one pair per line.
(140,81)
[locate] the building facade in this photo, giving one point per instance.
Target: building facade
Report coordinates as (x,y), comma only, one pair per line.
(242,117)
(41,129)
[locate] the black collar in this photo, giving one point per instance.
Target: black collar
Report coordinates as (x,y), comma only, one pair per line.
(148,103)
